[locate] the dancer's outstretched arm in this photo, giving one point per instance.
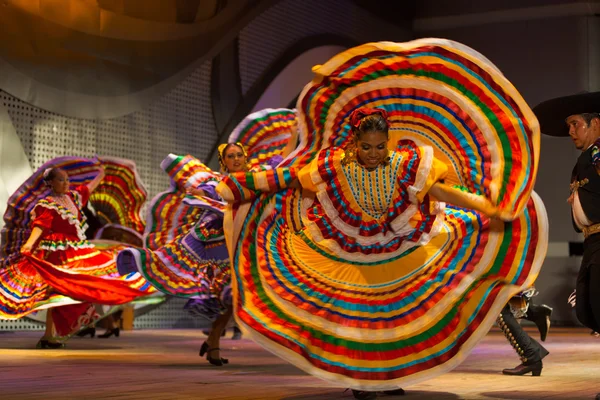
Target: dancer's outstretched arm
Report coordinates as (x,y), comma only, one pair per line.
(448,194)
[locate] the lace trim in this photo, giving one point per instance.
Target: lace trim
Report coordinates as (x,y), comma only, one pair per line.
(65,214)
(50,245)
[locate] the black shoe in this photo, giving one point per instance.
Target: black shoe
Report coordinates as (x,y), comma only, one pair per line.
(110,332)
(364,395)
(396,392)
(219,362)
(522,369)
(204,349)
(540,315)
(46,344)
(87,331)
(598,396)
(237,333)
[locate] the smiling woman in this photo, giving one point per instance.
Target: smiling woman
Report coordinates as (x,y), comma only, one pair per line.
(363,276)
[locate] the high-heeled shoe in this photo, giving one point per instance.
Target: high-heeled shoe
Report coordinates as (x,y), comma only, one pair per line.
(46,344)
(522,369)
(110,332)
(214,361)
(87,331)
(205,348)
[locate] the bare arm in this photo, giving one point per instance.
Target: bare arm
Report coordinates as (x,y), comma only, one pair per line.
(448,194)
(195,192)
(96,181)
(33,238)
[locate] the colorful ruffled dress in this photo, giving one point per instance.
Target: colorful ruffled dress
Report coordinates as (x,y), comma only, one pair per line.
(65,269)
(362,278)
(185,252)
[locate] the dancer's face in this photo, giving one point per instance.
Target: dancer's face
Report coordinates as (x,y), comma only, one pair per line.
(60,182)
(582,133)
(371,148)
(234,159)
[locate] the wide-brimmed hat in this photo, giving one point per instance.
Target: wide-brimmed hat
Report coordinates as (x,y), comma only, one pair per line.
(552,113)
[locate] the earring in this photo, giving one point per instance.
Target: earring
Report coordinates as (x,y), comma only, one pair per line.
(386,160)
(349,154)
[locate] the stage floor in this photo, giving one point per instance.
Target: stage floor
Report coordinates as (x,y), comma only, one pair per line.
(164,364)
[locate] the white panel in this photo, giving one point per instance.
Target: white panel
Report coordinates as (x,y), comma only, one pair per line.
(14,164)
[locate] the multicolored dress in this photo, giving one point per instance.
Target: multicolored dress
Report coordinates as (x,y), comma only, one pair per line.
(362,278)
(65,269)
(185,254)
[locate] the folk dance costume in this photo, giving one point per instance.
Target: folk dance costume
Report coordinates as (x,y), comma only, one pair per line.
(584,191)
(578,116)
(65,269)
(362,278)
(186,254)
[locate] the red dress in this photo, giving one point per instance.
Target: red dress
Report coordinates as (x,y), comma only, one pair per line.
(65,268)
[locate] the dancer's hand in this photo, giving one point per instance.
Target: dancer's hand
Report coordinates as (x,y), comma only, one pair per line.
(195,192)
(26,249)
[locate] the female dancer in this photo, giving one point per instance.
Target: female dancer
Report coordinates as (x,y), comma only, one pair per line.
(185,251)
(192,260)
(57,261)
(364,277)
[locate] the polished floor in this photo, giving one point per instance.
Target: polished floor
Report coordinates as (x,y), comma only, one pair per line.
(164,364)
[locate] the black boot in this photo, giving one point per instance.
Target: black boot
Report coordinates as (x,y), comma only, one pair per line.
(540,316)
(522,369)
(528,349)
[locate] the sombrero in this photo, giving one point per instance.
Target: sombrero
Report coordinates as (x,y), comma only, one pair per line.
(552,113)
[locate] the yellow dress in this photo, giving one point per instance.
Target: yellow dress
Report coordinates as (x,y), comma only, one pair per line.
(361,278)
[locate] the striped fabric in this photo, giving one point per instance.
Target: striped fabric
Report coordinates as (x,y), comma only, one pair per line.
(361,278)
(169,216)
(265,133)
(185,252)
(118,199)
(120,196)
(83,273)
(17,217)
